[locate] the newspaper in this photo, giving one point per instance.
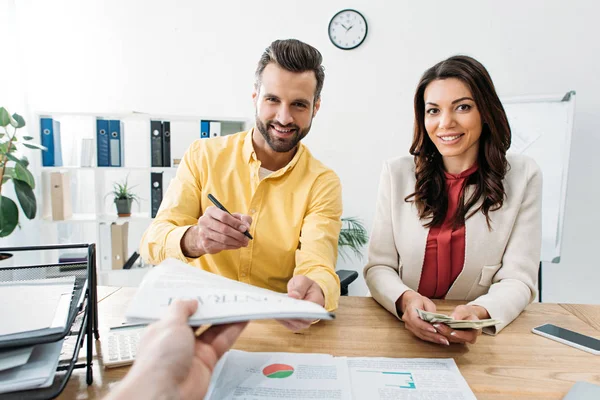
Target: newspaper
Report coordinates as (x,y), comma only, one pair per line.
(221,300)
(267,376)
(455,323)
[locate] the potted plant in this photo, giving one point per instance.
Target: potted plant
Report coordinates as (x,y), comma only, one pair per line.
(123,197)
(14,167)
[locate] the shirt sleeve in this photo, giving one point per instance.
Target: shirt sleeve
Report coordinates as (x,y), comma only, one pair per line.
(382,271)
(317,255)
(179,210)
(514,286)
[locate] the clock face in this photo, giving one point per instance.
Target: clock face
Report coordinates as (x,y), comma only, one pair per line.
(347,29)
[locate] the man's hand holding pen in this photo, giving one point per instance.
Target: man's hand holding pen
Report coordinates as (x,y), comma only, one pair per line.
(217,230)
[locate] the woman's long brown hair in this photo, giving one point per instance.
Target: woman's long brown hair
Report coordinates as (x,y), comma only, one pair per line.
(430,194)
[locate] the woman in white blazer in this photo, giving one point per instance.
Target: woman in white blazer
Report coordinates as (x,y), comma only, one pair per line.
(460,220)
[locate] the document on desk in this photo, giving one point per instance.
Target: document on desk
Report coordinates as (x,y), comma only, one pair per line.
(221,300)
(244,376)
(35,304)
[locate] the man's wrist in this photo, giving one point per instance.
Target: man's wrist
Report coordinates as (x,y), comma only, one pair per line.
(190,246)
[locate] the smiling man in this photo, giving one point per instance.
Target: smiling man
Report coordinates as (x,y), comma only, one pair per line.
(289,202)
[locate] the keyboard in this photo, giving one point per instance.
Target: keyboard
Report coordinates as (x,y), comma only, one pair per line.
(119,346)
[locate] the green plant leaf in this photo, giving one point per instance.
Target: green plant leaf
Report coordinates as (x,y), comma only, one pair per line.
(23,160)
(19,120)
(4,118)
(26,198)
(28,138)
(9,216)
(353,236)
(9,172)
(23,174)
(35,146)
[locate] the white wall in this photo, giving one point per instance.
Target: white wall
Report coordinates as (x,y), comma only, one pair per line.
(193,57)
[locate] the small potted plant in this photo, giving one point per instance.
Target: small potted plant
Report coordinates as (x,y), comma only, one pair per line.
(123,197)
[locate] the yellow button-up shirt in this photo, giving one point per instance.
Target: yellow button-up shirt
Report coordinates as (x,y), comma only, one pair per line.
(296,215)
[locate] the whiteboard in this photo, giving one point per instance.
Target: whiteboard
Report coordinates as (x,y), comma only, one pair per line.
(541,128)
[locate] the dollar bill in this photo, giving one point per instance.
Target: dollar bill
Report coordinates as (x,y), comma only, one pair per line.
(454,323)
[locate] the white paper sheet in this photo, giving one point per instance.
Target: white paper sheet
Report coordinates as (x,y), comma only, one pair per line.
(221,300)
(269,376)
(38,372)
(407,378)
(34,304)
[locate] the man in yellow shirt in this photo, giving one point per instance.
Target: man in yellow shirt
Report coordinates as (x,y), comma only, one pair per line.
(292,203)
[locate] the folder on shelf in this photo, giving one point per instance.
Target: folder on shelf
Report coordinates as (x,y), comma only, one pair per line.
(60,195)
(50,138)
(204,129)
(156,191)
(215,128)
(118,240)
(102,145)
(156,143)
(166,144)
(116,143)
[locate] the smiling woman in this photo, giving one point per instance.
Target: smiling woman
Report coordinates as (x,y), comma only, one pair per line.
(460,220)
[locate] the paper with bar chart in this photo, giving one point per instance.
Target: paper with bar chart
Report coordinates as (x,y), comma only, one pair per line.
(244,376)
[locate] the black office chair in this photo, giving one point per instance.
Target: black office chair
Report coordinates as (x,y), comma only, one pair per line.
(346,278)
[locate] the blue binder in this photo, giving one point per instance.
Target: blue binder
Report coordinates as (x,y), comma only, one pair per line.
(47,139)
(116,148)
(102,148)
(50,138)
(204,129)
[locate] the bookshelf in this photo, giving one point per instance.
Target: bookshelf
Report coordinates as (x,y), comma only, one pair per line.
(93,211)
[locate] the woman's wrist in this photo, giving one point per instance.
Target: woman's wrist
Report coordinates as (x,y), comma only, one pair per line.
(403,301)
(480,312)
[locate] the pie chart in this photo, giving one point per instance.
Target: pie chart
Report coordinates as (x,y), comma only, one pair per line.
(278,371)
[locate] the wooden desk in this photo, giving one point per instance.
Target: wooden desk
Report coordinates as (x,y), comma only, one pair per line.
(513,365)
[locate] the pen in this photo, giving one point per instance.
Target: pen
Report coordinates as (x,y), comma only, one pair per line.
(221,207)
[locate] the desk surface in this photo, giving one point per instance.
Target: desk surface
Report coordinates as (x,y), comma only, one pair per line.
(516,364)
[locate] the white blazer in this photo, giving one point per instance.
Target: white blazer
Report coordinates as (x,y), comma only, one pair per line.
(501,265)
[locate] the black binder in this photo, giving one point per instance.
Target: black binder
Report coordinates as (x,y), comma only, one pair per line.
(156,143)
(156,191)
(166,144)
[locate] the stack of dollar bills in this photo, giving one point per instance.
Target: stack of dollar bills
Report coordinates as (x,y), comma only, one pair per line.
(454,323)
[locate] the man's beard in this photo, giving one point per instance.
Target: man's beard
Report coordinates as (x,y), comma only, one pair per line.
(281,145)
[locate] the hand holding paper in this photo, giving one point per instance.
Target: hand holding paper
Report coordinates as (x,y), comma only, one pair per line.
(221,300)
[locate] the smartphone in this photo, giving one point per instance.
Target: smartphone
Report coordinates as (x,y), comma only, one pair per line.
(570,338)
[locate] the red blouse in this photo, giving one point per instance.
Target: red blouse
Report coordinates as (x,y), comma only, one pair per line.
(445,250)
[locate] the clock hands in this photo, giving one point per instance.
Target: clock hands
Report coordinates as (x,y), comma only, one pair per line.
(346,28)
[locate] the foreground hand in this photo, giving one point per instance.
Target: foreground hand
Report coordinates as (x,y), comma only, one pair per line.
(172,362)
(464,312)
(303,288)
(409,302)
(216,231)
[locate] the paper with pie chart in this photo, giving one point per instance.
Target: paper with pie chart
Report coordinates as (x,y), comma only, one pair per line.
(243,375)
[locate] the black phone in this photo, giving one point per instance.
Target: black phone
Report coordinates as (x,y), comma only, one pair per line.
(570,338)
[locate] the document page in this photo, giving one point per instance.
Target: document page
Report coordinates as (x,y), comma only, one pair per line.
(265,376)
(220,300)
(34,304)
(407,378)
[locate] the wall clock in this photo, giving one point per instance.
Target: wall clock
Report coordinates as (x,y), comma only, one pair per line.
(348,29)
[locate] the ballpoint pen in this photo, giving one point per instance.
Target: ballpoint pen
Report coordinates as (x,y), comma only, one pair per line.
(222,207)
